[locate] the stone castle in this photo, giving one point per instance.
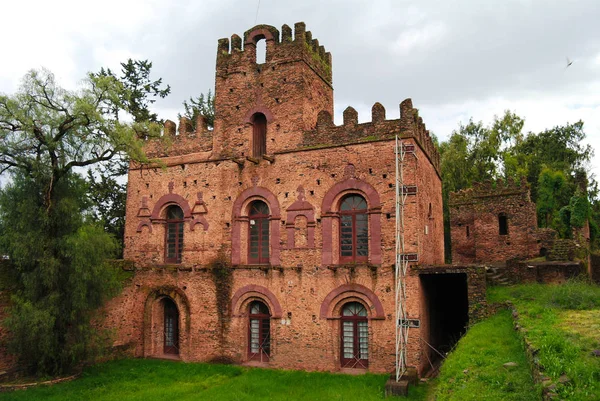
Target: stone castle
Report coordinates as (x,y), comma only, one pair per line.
(270,239)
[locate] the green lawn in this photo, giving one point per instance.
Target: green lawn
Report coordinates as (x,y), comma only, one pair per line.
(475,369)
(563,323)
(155,380)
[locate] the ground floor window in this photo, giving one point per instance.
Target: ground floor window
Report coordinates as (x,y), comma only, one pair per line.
(354,336)
(171,340)
(259,341)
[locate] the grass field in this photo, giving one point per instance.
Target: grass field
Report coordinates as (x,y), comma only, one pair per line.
(563,323)
(475,369)
(157,380)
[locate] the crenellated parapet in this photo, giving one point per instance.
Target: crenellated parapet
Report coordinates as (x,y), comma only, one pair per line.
(491,189)
(409,125)
(235,53)
(181,140)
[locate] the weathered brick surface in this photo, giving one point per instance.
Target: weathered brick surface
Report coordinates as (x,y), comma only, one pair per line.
(547,272)
(310,164)
(474,223)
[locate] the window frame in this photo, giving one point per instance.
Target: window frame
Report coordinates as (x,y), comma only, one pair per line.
(264,320)
(259,134)
(170,315)
(353,214)
(502,224)
(356,322)
(177,225)
(261,224)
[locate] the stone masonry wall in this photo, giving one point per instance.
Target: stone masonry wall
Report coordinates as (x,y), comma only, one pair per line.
(475,220)
(309,166)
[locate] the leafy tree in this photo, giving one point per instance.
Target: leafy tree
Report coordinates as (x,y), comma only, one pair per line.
(55,251)
(139,91)
(552,190)
(553,161)
(202,105)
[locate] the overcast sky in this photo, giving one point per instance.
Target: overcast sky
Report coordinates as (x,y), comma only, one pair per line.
(456,59)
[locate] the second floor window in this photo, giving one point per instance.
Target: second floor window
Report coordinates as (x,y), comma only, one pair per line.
(258,233)
(174,234)
(259,135)
(354,229)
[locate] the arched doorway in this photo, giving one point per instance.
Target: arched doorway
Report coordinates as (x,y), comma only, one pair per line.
(259,332)
(354,333)
(171,327)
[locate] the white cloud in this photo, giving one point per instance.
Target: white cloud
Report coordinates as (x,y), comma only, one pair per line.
(418,38)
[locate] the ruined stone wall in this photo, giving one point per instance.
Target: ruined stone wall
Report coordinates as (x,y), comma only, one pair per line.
(475,223)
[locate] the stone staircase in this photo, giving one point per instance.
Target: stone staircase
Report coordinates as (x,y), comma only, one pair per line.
(496,275)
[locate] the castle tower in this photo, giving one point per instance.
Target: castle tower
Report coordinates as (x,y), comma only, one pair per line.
(263,108)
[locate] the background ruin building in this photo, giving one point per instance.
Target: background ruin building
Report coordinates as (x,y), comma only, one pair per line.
(271,238)
(494,222)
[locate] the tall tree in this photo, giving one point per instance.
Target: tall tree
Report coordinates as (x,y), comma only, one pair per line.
(139,90)
(55,251)
(201,105)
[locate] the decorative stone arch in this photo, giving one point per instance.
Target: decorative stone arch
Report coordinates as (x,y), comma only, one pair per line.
(257,33)
(144,223)
(329,212)
(249,293)
(240,220)
(300,207)
(335,300)
(153,329)
(259,108)
(170,199)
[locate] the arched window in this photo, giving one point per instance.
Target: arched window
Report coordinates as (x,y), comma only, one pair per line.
(258,233)
(261,51)
(171,338)
(354,336)
(259,135)
(259,333)
(502,224)
(174,234)
(354,229)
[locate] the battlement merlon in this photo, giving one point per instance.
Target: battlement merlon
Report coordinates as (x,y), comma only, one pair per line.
(181,140)
(490,189)
(299,46)
(409,125)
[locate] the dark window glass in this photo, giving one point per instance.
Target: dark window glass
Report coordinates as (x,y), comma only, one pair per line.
(174,234)
(258,233)
(171,327)
(259,135)
(354,336)
(259,332)
(354,229)
(502,224)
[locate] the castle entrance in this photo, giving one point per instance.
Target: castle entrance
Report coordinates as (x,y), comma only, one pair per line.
(445,316)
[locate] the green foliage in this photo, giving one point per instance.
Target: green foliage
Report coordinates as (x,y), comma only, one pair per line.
(552,188)
(108,198)
(55,251)
(58,259)
(475,371)
(138,90)
(553,162)
(202,105)
(561,322)
(146,379)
